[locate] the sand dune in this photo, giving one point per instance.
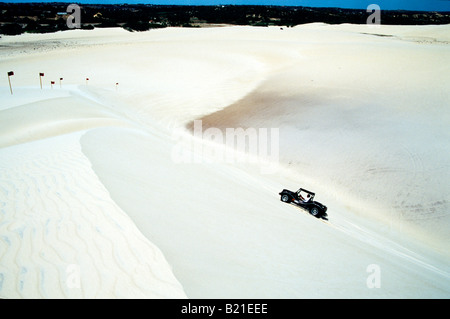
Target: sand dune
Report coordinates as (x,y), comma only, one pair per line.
(94,203)
(361,129)
(63,236)
(52,117)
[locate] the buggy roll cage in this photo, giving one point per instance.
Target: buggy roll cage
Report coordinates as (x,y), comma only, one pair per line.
(306,191)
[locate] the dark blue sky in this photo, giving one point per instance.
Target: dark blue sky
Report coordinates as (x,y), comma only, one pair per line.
(422,5)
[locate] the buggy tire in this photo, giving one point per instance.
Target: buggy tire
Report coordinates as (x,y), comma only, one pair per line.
(285,198)
(314,211)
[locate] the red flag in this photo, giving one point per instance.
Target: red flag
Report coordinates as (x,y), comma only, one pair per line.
(10,73)
(41,74)
(60,79)
(52,82)
(87,79)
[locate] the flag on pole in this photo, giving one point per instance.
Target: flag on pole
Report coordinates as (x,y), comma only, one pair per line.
(40,78)
(52,82)
(9,81)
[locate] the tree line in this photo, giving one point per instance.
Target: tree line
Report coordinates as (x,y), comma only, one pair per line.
(51,17)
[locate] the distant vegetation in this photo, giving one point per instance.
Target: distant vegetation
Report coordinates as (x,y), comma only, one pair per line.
(50,17)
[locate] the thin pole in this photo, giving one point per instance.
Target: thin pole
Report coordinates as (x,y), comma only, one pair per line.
(10,87)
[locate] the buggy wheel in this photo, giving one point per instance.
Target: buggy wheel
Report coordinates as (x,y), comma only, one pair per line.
(314,211)
(285,198)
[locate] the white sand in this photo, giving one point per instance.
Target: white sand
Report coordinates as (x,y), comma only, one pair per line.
(93,203)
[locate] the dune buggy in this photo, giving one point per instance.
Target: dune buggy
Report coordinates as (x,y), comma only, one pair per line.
(304,199)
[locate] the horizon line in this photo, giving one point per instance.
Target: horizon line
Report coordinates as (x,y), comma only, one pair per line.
(201,3)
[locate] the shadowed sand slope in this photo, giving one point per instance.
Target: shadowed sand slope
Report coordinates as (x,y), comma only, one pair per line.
(62,236)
